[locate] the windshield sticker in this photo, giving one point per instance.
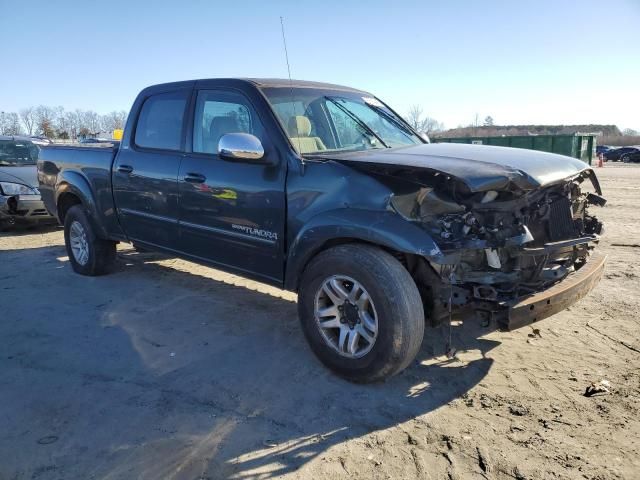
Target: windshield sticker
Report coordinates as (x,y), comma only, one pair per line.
(374,102)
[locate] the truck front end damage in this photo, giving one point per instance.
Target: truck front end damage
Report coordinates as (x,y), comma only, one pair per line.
(514,255)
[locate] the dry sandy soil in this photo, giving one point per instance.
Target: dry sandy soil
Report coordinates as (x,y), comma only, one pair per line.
(166,369)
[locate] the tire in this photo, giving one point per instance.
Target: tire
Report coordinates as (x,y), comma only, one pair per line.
(394,306)
(96,256)
(624,158)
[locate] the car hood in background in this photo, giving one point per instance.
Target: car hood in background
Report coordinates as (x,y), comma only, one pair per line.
(480,167)
(26,174)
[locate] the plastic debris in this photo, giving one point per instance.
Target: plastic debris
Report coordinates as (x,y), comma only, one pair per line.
(602,387)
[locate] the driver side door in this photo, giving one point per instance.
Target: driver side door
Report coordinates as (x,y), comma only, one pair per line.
(232,213)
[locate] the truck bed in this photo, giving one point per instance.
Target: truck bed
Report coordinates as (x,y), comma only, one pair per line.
(83,167)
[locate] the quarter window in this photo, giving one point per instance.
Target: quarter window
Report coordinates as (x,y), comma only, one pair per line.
(160,121)
(218,113)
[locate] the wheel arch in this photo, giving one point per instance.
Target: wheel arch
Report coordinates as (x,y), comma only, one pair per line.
(73,189)
(385,230)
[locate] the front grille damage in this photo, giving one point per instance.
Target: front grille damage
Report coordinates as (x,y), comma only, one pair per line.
(500,246)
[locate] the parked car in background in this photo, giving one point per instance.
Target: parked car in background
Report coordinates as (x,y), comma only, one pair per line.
(20,200)
(602,149)
(95,140)
(632,157)
(40,140)
(617,154)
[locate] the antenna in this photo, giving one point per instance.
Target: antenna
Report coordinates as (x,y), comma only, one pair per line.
(293,104)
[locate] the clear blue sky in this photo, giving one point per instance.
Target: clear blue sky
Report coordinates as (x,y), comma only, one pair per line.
(521,62)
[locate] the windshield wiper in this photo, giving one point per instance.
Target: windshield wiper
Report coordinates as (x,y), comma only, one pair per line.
(355,118)
(392,119)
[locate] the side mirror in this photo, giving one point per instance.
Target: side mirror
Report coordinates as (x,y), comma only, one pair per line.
(240,146)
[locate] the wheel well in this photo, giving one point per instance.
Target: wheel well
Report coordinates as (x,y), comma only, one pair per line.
(407,259)
(65,202)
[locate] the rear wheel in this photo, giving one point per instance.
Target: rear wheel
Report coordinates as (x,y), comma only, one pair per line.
(361,312)
(88,254)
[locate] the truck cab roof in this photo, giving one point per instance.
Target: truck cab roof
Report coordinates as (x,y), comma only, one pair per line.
(255,82)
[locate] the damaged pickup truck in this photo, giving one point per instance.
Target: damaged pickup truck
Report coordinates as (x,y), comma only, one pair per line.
(325,191)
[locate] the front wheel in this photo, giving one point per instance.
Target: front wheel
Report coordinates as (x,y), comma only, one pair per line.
(88,254)
(361,312)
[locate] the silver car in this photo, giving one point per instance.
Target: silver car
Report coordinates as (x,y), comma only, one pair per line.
(20,200)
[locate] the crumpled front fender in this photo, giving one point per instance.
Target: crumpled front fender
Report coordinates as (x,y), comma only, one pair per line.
(387,229)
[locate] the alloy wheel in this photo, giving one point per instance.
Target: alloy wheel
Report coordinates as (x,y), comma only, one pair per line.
(79,244)
(346,316)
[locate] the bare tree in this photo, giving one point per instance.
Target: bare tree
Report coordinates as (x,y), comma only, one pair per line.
(488,121)
(9,123)
(14,127)
(63,123)
(79,121)
(629,132)
(113,121)
(28,117)
(45,120)
(71,122)
(92,121)
(422,124)
(414,117)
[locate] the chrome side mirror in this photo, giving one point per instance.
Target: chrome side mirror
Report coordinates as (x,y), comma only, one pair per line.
(240,146)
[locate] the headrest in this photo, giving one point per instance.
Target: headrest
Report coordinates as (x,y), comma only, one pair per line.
(222,125)
(299,126)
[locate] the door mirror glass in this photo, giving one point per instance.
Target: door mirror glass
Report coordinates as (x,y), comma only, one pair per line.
(240,146)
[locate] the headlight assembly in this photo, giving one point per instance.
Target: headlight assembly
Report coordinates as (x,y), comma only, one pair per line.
(9,188)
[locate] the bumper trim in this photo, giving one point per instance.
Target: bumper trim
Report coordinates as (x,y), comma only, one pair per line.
(553,246)
(532,308)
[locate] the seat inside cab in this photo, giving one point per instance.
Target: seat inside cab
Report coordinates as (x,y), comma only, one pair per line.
(299,129)
(218,127)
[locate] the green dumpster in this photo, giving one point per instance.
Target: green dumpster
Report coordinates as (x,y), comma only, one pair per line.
(581,146)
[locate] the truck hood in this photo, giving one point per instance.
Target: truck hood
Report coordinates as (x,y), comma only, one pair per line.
(26,175)
(479,167)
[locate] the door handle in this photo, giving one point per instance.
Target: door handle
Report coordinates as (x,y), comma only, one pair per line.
(195,178)
(125,168)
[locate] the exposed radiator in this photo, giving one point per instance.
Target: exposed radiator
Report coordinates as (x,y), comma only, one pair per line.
(561,225)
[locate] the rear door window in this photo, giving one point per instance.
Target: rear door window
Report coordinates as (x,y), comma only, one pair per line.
(161,120)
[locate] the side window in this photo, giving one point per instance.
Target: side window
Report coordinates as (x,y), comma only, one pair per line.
(160,121)
(218,113)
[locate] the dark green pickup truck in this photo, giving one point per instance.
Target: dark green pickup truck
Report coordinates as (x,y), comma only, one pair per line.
(326,191)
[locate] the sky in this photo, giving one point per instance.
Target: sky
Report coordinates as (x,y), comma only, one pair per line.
(549,62)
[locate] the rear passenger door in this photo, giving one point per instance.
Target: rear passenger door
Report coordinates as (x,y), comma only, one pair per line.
(232,212)
(145,172)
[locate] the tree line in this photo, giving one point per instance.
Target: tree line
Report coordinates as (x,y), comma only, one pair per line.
(57,123)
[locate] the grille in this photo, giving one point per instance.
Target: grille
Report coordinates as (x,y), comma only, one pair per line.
(561,225)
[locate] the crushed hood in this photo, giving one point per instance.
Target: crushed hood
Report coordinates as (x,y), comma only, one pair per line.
(480,167)
(26,175)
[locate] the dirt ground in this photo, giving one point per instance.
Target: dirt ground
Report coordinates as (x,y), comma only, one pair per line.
(169,370)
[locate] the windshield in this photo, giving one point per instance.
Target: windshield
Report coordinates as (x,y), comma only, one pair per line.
(323,121)
(18,152)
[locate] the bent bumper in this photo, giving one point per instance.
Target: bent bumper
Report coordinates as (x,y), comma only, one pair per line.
(532,308)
